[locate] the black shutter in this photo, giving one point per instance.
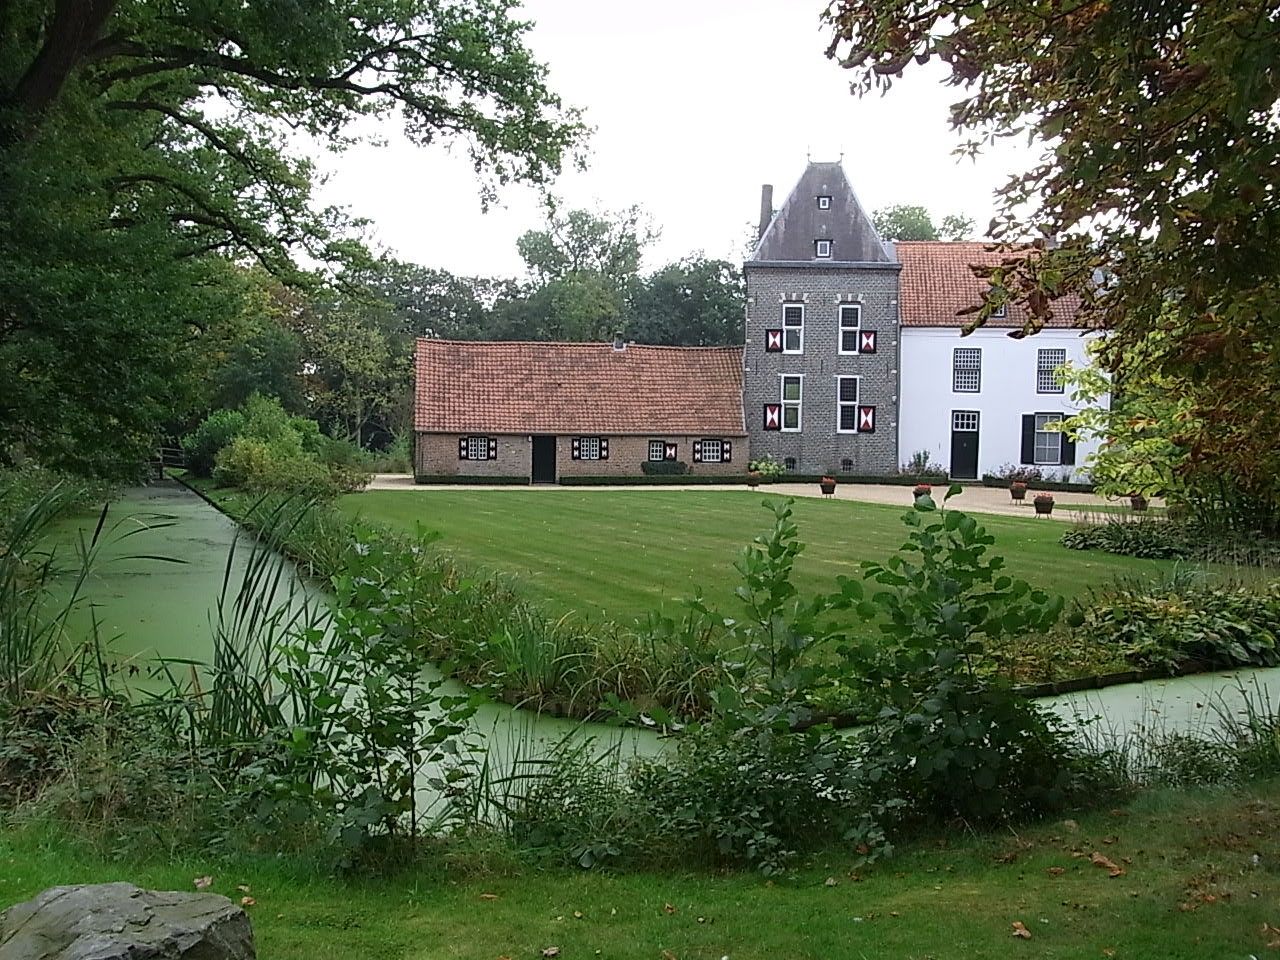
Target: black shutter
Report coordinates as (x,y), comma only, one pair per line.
(575,448)
(697,451)
(604,448)
(727,454)
(462,448)
(1028,438)
(1068,457)
(493,448)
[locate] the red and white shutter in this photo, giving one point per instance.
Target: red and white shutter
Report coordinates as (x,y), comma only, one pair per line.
(773,416)
(575,449)
(726,451)
(867,341)
(697,451)
(866,419)
(773,341)
(669,451)
(462,448)
(604,448)
(493,448)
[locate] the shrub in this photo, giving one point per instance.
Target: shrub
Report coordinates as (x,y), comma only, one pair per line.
(1024,473)
(259,467)
(664,468)
(1162,538)
(766,466)
(921,466)
(205,442)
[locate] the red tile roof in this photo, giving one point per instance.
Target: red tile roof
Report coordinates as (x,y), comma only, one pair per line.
(936,283)
(538,387)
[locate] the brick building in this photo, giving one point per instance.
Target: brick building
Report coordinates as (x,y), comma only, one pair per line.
(543,411)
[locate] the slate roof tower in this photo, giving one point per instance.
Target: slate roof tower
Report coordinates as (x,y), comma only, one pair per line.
(820,367)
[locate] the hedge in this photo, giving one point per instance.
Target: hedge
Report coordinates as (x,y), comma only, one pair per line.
(446,478)
(740,479)
(989,481)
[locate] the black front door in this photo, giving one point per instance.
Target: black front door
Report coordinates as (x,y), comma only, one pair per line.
(964,444)
(544,460)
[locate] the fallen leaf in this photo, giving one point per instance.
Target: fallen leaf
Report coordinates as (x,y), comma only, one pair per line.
(505,956)
(488,896)
(1098,860)
(1111,839)
(242,887)
(894,913)
(1108,952)
(247,901)
(668,908)
(577,914)
(203,883)
(831,882)
(668,955)
(551,952)
(1071,824)
(1020,930)
(1057,871)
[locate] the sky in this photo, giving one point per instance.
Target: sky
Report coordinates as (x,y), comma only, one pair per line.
(695,104)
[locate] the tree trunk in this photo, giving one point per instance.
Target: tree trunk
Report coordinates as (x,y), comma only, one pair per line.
(73,29)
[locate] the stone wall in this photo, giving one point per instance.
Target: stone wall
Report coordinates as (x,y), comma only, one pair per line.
(818,447)
(436,454)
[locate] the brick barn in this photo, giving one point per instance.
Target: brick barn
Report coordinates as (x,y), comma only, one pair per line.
(542,411)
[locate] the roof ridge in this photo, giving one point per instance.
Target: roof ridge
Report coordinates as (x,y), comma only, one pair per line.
(575,343)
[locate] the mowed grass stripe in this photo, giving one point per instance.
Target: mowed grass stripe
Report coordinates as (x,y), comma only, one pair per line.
(624,553)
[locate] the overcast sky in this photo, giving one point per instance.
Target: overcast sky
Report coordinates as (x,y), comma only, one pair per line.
(695,104)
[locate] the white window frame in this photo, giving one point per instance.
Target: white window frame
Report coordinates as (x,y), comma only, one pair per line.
(855,330)
(852,404)
(1000,312)
(661,447)
(798,328)
(709,444)
(797,403)
(477,448)
(960,420)
(588,448)
(1051,371)
(957,369)
(824,203)
(819,246)
(1047,418)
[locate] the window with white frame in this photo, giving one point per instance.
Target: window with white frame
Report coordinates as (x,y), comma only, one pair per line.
(792,390)
(822,249)
(824,203)
(850,321)
(588,448)
(712,451)
(1000,312)
(657,450)
(477,448)
(847,403)
(964,420)
(966,369)
(1048,360)
(793,328)
(1048,448)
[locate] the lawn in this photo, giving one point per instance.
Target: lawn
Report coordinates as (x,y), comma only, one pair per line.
(622,553)
(1192,888)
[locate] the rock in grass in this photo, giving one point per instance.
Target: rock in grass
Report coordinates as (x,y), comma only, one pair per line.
(119,921)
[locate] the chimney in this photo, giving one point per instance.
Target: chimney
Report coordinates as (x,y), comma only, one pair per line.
(766,208)
(618,342)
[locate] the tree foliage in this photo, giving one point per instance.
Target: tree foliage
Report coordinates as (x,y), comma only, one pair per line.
(912,222)
(1159,135)
(583,242)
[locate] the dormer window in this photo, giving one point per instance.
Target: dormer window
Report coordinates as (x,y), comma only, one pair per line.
(822,249)
(824,203)
(998,313)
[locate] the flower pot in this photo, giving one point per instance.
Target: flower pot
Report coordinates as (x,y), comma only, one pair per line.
(1018,492)
(753,480)
(922,490)
(1139,504)
(828,487)
(1044,505)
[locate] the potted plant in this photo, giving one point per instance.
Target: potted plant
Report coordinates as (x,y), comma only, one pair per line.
(1138,502)
(921,490)
(1018,490)
(828,486)
(1044,503)
(753,478)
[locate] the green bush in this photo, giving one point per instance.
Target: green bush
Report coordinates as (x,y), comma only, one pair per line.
(1167,624)
(1168,539)
(203,444)
(664,468)
(259,467)
(766,466)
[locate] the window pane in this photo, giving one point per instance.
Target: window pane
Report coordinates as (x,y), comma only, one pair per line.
(791,417)
(849,389)
(848,417)
(790,388)
(657,449)
(792,316)
(477,448)
(849,316)
(791,339)
(710,451)
(1047,361)
(849,341)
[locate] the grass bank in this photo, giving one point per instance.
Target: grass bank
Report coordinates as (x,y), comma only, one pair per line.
(1201,879)
(623,553)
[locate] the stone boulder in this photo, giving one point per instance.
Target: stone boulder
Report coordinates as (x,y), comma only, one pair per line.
(118,921)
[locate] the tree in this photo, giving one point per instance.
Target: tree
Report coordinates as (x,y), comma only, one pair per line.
(696,302)
(143,146)
(909,222)
(578,242)
(1160,135)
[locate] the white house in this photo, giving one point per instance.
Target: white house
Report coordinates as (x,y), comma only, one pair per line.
(977,403)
